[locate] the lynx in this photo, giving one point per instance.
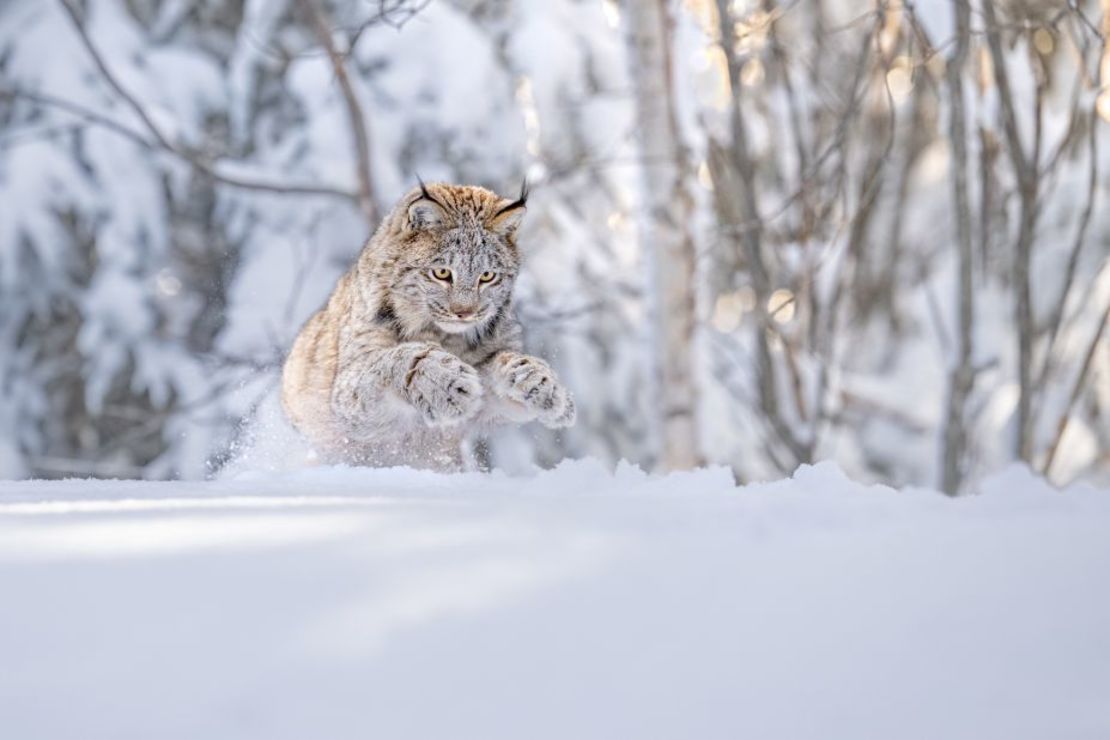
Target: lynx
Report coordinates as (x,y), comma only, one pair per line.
(418,345)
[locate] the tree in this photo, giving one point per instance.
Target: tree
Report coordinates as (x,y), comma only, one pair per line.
(961,375)
(666,218)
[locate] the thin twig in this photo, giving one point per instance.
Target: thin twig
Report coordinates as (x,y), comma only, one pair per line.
(84,114)
(161,140)
(366,198)
(1056,318)
(1076,391)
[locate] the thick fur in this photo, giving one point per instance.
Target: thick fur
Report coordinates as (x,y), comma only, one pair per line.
(387,373)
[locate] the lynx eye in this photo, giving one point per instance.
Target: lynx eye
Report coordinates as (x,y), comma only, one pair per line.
(442,273)
(487,277)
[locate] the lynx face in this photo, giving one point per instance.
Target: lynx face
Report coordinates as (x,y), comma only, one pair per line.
(458,270)
(468,281)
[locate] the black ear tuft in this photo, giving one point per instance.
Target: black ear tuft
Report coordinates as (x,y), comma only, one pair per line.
(520,202)
(425,194)
(423,214)
(424,188)
(508,218)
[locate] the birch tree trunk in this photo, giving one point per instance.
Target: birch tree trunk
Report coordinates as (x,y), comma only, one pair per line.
(1028,186)
(961,375)
(666,213)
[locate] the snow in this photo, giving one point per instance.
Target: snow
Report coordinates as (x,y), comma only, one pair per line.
(573,603)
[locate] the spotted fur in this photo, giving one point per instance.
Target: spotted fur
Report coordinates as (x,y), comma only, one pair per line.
(388,373)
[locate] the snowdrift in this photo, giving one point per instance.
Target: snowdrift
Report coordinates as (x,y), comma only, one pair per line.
(577,603)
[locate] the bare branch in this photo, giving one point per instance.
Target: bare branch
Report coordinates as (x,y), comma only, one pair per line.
(395,14)
(161,140)
(735,193)
(1057,316)
(84,114)
(366,198)
(1076,391)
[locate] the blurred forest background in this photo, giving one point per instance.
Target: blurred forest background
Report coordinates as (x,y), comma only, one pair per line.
(762,232)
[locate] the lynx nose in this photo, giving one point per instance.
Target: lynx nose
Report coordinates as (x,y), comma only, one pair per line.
(464,313)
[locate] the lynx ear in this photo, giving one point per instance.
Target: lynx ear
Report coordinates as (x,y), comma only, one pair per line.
(507,219)
(426,212)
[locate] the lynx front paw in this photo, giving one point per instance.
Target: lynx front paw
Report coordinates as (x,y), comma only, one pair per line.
(531,382)
(443,388)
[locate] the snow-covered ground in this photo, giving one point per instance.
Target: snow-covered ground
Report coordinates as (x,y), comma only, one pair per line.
(575,604)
